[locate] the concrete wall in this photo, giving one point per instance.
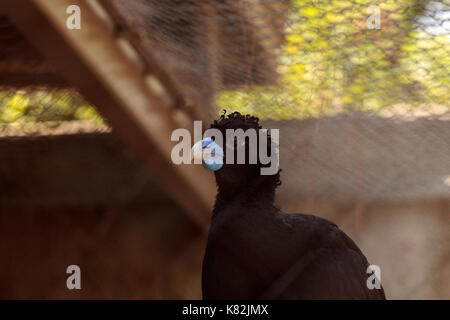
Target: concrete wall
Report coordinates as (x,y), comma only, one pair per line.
(409,241)
(83,199)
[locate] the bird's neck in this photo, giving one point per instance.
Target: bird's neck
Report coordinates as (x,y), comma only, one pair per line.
(259,192)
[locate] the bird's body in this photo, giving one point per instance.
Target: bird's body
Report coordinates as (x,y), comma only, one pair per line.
(255,251)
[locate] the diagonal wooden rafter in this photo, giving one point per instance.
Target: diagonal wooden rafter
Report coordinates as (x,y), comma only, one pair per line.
(138,102)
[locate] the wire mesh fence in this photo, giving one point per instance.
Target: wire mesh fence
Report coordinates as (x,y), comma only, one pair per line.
(359,90)
(34,111)
(33,97)
(298,59)
(276,59)
(286,60)
(353,56)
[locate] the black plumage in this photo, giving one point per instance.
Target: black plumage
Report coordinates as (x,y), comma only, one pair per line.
(256,251)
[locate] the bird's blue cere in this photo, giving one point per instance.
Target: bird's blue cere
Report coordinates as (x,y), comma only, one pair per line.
(211,154)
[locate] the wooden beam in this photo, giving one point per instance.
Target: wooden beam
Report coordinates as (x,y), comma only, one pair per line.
(95,61)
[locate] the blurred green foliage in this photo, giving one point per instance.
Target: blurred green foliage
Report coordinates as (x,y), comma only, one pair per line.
(20,106)
(332,62)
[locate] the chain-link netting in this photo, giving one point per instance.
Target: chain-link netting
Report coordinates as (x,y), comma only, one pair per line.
(279,59)
(374,76)
(358,88)
(385,58)
(34,99)
(331,57)
(41,111)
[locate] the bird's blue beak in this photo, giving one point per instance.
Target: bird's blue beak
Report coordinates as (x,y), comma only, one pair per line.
(209,152)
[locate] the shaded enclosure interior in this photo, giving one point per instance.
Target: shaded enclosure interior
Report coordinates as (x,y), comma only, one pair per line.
(132,241)
(364,123)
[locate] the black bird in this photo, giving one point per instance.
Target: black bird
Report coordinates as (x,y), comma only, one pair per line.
(256,251)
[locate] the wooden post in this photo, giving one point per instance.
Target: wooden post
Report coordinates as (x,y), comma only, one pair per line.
(106,71)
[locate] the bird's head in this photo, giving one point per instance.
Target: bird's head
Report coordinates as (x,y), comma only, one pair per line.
(233,176)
